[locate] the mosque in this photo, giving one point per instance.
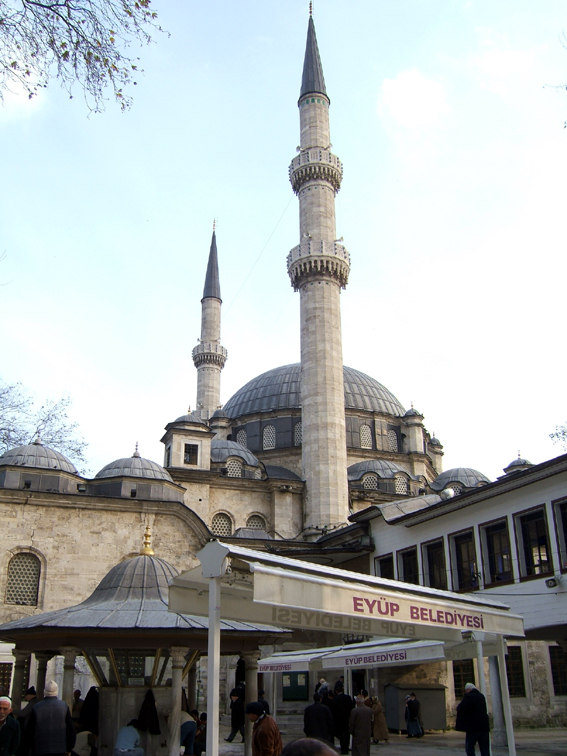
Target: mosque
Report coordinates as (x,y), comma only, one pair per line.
(290,463)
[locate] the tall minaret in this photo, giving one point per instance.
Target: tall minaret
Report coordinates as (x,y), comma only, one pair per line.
(318,268)
(209,356)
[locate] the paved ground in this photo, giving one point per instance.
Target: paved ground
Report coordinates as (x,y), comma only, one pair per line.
(544,742)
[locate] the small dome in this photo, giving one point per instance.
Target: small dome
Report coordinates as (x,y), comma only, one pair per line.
(191,417)
(222,450)
(134,467)
(381,467)
(38,455)
(219,413)
(412,412)
(142,577)
(466,476)
(434,441)
(517,464)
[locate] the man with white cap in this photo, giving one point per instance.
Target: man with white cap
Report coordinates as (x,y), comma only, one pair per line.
(472,718)
(9,729)
(50,731)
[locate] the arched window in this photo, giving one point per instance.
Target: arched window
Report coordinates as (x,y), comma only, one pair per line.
(22,587)
(401,485)
(221,525)
(370,482)
(392,441)
(365,437)
(297,434)
(269,437)
(241,438)
(256,521)
(456,489)
(234,468)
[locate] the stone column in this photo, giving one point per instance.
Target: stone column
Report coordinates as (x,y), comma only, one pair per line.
(251,681)
(192,687)
(20,658)
(42,662)
(69,654)
(498,734)
(174,722)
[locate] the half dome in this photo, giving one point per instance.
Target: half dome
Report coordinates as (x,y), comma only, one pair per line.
(280,389)
(39,456)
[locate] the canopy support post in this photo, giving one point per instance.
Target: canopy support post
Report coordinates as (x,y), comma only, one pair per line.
(480,663)
(505,694)
(213,666)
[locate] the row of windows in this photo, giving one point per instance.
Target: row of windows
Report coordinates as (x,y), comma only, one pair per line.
(463,672)
(221,524)
(269,437)
(428,563)
(370,483)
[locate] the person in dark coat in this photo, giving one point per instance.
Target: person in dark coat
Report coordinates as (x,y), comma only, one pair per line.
(341,707)
(148,719)
(50,729)
(412,721)
(318,721)
(236,716)
(360,727)
(9,729)
(472,719)
(266,737)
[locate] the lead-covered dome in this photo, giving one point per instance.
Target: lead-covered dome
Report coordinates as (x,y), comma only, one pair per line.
(382,467)
(280,389)
(134,467)
(39,456)
(221,450)
(465,476)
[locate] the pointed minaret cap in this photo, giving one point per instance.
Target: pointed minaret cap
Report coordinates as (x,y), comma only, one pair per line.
(212,280)
(313,80)
(146,549)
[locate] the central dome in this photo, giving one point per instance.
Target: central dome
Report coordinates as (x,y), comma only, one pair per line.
(280,389)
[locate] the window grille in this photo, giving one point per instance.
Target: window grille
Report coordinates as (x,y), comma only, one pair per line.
(234,468)
(5,675)
(241,438)
(456,490)
(392,441)
(269,437)
(258,474)
(401,485)
(23,580)
(256,522)
(221,525)
(297,434)
(370,482)
(365,437)
(515,672)
(191,454)
(463,672)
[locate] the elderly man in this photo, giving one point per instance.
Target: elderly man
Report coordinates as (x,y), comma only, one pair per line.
(50,730)
(472,719)
(266,738)
(9,729)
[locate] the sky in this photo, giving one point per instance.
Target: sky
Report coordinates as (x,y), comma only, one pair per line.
(447,118)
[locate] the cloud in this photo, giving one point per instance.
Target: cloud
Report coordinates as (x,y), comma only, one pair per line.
(413,101)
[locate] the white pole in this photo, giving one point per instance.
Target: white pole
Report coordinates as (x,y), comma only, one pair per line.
(213,667)
(505,695)
(480,664)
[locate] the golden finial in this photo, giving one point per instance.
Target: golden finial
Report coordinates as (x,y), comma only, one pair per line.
(310,8)
(146,549)
(214,224)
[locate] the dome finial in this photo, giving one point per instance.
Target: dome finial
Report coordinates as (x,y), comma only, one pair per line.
(136,452)
(214,224)
(146,549)
(37,441)
(519,457)
(310,7)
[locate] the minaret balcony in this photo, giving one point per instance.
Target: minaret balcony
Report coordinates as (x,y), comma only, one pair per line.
(313,259)
(209,354)
(315,164)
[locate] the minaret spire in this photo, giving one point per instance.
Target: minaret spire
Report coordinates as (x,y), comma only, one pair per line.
(318,268)
(209,356)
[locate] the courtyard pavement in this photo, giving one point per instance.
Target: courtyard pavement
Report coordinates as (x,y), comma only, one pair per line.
(540,742)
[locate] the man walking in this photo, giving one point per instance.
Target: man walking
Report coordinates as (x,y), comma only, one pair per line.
(472,719)
(360,726)
(9,729)
(50,730)
(236,715)
(318,721)
(266,738)
(341,707)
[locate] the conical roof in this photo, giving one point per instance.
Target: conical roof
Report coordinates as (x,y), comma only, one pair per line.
(313,80)
(212,280)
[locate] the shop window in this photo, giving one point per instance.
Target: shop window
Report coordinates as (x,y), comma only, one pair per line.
(463,673)
(384,566)
(22,587)
(221,525)
(234,468)
(242,438)
(191,454)
(534,553)
(269,437)
(365,437)
(408,567)
(558,664)
(465,571)
(497,556)
(256,522)
(435,568)
(515,672)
